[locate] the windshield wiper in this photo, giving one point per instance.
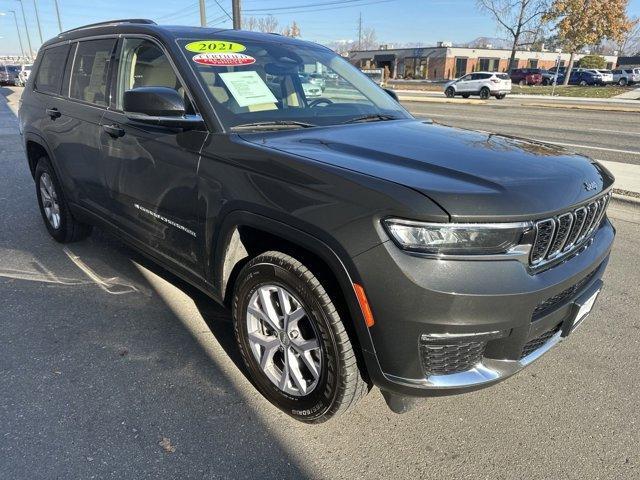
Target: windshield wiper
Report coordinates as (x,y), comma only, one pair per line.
(272,125)
(374,117)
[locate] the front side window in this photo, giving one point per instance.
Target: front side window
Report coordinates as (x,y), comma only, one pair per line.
(89,72)
(143,64)
(51,69)
(275,81)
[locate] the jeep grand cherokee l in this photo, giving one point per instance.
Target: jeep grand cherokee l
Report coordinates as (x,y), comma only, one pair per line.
(354,244)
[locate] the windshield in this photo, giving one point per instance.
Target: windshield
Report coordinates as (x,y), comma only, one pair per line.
(285,83)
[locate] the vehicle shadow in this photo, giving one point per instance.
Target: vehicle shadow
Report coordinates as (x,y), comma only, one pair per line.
(112,367)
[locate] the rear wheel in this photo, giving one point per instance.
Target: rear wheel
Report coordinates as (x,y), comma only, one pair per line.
(484,93)
(60,223)
(450,92)
(623,82)
(583,83)
(546,82)
(293,340)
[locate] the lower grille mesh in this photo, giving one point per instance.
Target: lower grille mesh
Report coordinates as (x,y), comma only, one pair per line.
(534,344)
(551,303)
(445,359)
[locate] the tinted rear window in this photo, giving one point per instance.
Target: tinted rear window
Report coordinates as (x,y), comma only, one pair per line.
(502,76)
(90,68)
(51,69)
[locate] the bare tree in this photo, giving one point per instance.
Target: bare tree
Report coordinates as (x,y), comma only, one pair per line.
(268,24)
(521,20)
(250,23)
(292,30)
(369,39)
(630,44)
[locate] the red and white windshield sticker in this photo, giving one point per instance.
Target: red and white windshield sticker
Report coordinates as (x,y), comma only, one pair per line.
(223,59)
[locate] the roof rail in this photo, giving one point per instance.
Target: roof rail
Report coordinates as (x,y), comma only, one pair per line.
(143,21)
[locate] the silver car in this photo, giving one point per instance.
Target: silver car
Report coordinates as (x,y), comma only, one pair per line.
(626,76)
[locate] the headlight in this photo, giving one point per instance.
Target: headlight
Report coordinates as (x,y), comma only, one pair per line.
(456,239)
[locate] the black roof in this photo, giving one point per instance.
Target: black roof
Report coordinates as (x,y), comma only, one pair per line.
(623,61)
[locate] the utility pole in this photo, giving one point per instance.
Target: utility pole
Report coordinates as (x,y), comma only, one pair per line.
(35,5)
(360,32)
(15,18)
(203,14)
(58,15)
(237,17)
(26,29)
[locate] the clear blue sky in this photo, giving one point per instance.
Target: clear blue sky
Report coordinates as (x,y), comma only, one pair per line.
(426,21)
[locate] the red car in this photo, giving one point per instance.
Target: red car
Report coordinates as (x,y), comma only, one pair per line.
(526,76)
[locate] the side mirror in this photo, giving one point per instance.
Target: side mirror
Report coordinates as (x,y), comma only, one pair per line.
(161,106)
(392,94)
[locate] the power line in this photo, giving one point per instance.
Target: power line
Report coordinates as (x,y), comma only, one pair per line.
(337,7)
(173,14)
(304,6)
(224,10)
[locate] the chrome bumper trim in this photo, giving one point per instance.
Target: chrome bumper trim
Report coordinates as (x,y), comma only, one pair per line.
(487,371)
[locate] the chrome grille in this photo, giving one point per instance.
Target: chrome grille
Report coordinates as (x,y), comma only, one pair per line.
(564,233)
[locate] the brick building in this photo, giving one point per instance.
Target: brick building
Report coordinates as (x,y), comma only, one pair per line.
(444,62)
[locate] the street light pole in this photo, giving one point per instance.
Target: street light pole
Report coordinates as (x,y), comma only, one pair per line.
(58,15)
(203,14)
(35,5)
(237,17)
(15,19)
(26,28)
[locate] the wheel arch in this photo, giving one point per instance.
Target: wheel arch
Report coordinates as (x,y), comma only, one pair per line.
(35,148)
(243,235)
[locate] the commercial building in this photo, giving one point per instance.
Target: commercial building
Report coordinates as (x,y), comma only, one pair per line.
(445,62)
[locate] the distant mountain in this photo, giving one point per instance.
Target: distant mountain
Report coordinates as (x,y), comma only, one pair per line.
(484,41)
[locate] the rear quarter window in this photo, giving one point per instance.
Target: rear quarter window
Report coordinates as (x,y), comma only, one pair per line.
(502,76)
(51,70)
(90,69)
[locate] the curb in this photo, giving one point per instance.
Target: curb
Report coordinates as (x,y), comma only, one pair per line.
(461,101)
(597,108)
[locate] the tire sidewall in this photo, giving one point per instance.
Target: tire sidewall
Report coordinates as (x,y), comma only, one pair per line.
(321,399)
(485,93)
(44,166)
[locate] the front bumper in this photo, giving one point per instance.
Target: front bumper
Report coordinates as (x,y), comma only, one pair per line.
(513,316)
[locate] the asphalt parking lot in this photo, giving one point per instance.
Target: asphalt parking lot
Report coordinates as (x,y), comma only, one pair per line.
(112,368)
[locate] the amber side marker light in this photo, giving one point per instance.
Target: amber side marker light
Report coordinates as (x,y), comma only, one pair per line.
(364,305)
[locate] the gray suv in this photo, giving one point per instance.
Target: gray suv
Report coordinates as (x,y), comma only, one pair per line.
(354,245)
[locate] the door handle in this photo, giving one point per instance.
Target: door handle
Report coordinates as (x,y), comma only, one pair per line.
(114,130)
(53,113)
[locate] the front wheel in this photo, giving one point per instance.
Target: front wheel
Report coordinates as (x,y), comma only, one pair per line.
(485,93)
(622,82)
(293,340)
(450,92)
(583,83)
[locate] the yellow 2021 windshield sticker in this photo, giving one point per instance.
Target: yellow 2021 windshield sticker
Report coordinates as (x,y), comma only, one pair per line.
(215,46)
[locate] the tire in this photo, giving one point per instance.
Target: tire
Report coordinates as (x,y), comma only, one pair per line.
(501,96)
(275,278)
(466,95)
(485,93)
(583,83)
(522,83)
(623,82)
(57,217)
(450,92)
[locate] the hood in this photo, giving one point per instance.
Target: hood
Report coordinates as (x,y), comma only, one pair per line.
(472,175)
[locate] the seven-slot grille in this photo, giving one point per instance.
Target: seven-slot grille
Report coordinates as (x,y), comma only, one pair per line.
(564,233)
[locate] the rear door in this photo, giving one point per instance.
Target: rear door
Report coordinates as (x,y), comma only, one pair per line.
(151,171)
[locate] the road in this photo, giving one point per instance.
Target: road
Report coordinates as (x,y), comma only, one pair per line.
(603,135)
(112,368)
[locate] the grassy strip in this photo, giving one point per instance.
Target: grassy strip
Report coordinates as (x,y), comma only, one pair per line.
(573,91)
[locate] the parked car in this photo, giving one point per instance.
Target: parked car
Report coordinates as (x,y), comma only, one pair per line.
(23,74)
(548,78)
(526,76)
(9,74)
(607,75)
(626,76)
(484,84)
(582,77)
(311,89)
(354,244)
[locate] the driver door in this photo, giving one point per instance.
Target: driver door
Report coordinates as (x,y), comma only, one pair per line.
(151,171)
(464,84)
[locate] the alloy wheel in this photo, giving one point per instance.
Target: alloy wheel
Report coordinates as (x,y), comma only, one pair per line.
(50,202)
(284,340)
